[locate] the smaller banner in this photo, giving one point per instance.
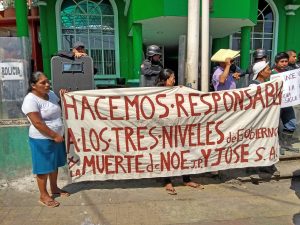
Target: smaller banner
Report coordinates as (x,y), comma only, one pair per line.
(291,87)
(11,71)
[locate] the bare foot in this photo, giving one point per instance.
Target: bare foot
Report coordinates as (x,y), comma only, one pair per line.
(193,185)
(170,189)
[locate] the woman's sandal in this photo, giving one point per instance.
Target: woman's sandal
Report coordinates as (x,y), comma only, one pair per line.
(193,185)
(170,189)
(62,193)
(50,203)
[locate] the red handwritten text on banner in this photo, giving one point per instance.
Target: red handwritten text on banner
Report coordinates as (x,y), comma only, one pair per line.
(157,132)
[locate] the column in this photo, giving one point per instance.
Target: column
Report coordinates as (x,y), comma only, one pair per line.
(245,47)
(193,43)
(21,18)
(44,40)
(205,44)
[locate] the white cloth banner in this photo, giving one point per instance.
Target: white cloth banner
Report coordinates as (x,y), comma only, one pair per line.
(134,133)
(291,87)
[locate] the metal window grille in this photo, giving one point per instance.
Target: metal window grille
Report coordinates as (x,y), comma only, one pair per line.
(262,34)
(91,22)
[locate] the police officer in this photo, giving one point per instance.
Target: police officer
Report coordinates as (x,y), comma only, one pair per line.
(258,56)
(151,66)
(78,51)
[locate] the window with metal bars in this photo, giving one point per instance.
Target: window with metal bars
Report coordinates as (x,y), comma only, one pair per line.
(91,22)
(262,34)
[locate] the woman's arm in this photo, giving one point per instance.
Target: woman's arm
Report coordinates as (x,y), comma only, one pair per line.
(40,125)
(226,71)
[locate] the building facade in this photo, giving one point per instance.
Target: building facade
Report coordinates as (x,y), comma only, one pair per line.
(116,33)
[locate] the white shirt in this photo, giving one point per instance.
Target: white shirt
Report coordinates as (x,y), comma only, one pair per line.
(49,110)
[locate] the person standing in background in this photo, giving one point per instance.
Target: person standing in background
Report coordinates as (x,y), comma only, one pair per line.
(151,66)
(222,78)
(78,50)
(292,60)
(258,56)
(287,114)
(167,78)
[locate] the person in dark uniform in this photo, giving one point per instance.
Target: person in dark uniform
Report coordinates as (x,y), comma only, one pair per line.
(151,66)
(78,51)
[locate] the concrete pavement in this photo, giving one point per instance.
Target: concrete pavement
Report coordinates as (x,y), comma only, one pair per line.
(224,201)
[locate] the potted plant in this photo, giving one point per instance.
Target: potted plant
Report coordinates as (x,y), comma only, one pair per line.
(34,8)
(9,10)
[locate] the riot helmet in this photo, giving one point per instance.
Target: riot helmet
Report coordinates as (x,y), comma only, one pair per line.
(153,50)
(259,54)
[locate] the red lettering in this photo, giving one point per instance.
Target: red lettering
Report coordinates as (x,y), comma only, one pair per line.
(140,137)
(133,103)
(85,106)
(117,129)
(112,108)
(84,148)
(216,97)
(97,108)
(152,112)
(206,103)
(128,133)
(71,141)
(71,106)
(192,104)
(163,105)
(179,105)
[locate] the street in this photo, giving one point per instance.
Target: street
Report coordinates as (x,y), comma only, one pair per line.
(226,202)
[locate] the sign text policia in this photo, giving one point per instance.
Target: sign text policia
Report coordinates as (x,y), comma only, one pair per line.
(11,71)
(158,132)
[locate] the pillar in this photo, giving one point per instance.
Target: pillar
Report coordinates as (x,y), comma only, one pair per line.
(21,18)
(193,43)
(245,47)
(44,40)
(205,44)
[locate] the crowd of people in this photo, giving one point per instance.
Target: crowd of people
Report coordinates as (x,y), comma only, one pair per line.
(42,107)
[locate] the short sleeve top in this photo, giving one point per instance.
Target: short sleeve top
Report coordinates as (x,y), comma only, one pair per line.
(229,82)
(49,110)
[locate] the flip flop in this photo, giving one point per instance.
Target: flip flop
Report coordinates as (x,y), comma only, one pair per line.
(193,185)
(49,204)
(61,194)
(171,192)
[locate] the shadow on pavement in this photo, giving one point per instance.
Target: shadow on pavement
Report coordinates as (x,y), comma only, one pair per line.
(295,185)
(203,179)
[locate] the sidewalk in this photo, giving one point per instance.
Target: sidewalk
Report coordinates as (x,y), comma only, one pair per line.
(224,200)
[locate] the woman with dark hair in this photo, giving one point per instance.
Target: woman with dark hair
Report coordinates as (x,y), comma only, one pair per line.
(167,78)
(41,106)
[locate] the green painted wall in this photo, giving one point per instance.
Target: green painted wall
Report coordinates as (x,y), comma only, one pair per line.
(175,8)
(247,9)
(219,43)
(141,10)
(281,26)
(48,35)
(15,155)
(292,30)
